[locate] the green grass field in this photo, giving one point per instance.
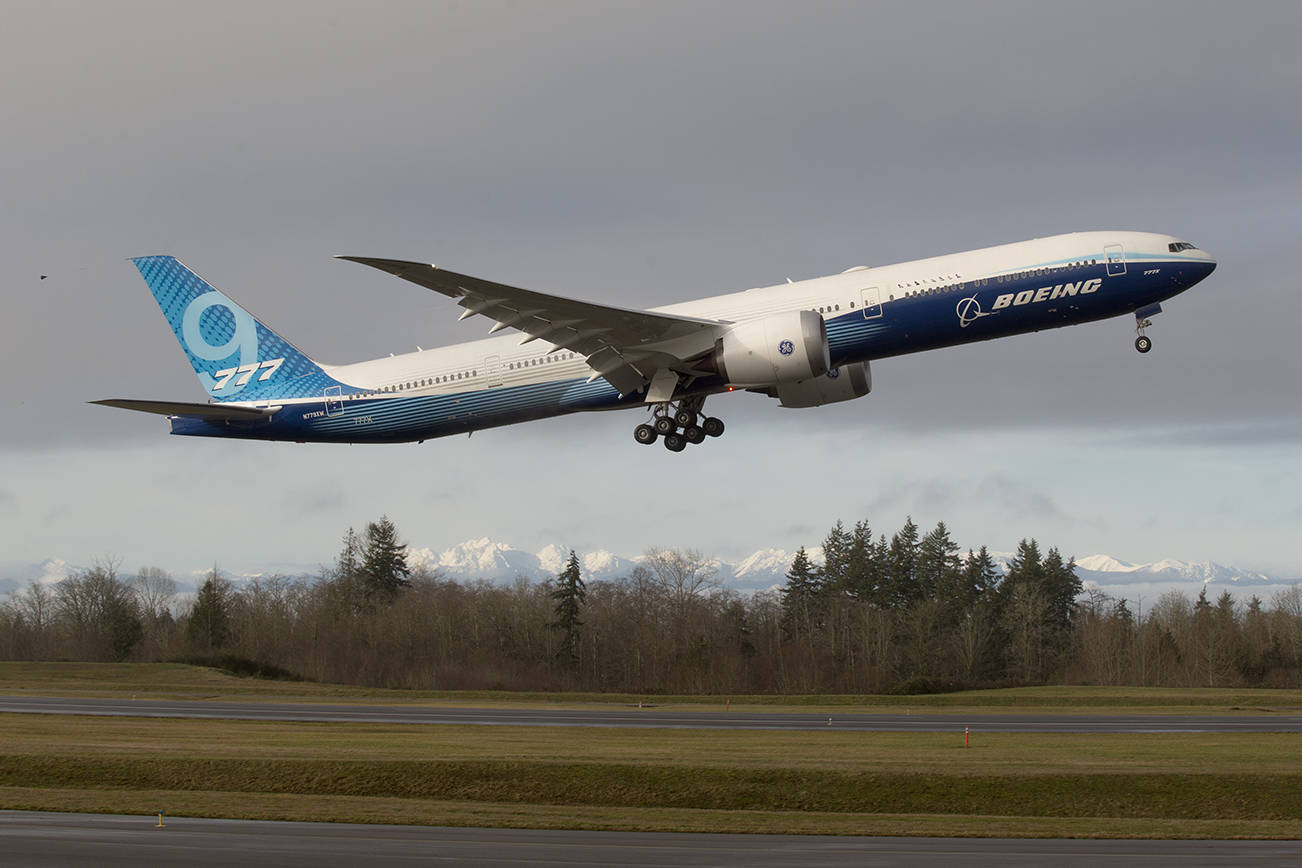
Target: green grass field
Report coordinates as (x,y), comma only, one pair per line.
(180,681)
(1150,785)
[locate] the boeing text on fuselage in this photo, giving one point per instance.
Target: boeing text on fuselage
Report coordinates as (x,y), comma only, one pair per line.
(1048,293)
(804,343)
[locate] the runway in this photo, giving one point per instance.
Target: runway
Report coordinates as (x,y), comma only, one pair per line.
(32,838)
(652,717)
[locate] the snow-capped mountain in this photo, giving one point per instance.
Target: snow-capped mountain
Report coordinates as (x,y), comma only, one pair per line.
(479,558)
(1106,570)
(486,560)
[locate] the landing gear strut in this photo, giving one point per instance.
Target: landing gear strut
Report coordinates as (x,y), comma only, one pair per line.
(680,423)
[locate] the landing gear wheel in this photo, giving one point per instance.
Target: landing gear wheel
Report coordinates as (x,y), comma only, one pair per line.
(664,426)
(645,434)
(694,434)
(684,418)
(675,442)
(712,426)
(1143,343)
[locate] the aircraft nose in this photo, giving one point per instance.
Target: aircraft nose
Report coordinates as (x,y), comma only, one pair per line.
(1201,266)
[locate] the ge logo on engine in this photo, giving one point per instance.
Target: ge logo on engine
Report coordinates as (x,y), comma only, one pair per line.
(786,348)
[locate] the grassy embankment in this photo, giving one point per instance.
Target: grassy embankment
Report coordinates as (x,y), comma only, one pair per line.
(1163,785)
(180,681)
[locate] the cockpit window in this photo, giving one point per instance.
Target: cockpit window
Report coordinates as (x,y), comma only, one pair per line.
(1177,246)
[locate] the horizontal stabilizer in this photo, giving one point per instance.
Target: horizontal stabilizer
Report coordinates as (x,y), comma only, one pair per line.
(216,412)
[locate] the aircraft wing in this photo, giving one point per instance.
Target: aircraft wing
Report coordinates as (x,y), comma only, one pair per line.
(627,347)
(216,412)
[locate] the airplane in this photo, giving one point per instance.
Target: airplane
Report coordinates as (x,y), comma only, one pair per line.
(804,343)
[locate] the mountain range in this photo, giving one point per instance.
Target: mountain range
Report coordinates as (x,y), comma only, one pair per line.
(488,560)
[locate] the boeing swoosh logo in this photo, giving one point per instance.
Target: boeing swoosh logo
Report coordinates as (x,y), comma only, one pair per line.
(969,311)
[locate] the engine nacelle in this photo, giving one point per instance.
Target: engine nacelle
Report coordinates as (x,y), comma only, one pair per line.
(839,384)
(782,348)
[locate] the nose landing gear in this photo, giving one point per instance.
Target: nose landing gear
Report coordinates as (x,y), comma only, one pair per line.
(679,423)
(1143,342)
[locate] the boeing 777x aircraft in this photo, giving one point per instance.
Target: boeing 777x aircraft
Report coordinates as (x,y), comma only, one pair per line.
(804,343)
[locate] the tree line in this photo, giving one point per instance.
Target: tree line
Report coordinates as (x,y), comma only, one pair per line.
(904,613)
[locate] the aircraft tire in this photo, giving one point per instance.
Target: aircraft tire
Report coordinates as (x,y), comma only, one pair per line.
(1143,343)
(713,426)
(684,418)
(645,434)
(694,434)
(664,426)
(674,442)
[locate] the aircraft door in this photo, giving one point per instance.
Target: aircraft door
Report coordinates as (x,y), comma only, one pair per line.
(492,371)
(872,303)
(1115,255)
(334,400)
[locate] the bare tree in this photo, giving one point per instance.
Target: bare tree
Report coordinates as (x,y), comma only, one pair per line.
(34,614)
(155,590)
(682,575)
(99,612)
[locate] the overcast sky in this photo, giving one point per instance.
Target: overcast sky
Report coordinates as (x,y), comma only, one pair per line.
(641,155)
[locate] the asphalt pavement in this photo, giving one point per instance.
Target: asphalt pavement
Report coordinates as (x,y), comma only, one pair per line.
(42,838)
(653,717)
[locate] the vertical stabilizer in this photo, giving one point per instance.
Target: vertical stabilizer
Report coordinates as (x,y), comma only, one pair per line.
(235,356)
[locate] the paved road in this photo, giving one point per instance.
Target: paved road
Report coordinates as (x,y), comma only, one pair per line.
(37,838)
(651,717)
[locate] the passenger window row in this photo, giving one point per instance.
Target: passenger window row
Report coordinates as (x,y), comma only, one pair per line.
(1042,272)
(417,384)
(542,360)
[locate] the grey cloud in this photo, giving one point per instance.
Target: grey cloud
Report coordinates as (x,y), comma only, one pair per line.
(325,497)
(1017,499)
(641,156)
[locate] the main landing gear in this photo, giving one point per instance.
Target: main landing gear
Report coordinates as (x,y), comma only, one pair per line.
(679,423)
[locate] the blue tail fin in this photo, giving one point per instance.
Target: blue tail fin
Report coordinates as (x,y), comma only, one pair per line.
(235,356)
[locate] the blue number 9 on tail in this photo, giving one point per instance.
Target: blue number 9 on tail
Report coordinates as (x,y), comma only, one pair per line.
(235,356)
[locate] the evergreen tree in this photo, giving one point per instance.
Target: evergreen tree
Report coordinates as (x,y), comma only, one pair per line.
(1202,608)
(980,575)
(384,560)
(1061,587)
(902,584)
(799,596)
(209,627)
(938,566)
(836,561)
(1026,567)
(864,568)
(570,595)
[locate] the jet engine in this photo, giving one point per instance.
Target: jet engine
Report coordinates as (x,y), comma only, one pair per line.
(783,348)
(839,384)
